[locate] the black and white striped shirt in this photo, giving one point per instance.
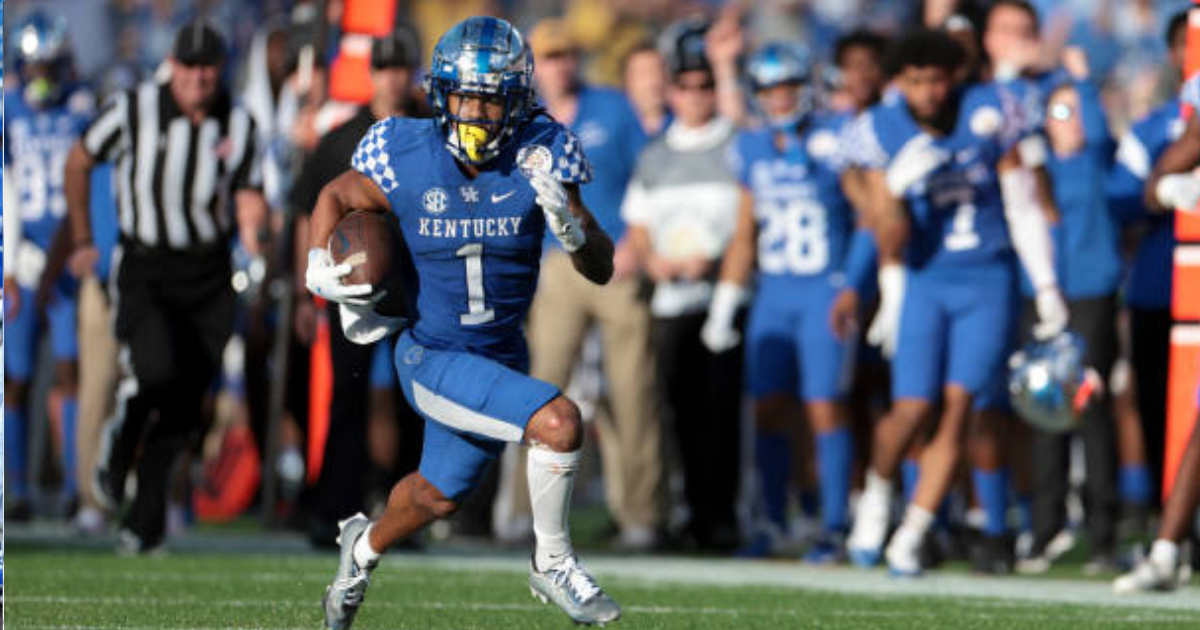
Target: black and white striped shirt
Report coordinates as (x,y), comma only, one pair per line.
(174,177)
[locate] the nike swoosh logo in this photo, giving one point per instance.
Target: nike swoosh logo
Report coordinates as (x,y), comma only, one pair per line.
(498,198)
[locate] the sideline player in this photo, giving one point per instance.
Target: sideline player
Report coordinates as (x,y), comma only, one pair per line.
(467,188)
(796,224)
(1173,184)
(952,203)
(42,122)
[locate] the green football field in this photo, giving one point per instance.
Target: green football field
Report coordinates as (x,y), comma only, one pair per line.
(260,581)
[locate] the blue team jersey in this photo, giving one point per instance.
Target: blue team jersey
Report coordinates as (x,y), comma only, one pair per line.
(475,243)
(36,145)
(957,213)
(1148,285)
(804,221)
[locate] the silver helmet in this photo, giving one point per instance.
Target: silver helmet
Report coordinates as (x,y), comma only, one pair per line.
(1050,385)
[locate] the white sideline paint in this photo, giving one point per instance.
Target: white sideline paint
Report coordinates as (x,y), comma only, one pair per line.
(706,611)
(670,571)
(459,417)
(654,572)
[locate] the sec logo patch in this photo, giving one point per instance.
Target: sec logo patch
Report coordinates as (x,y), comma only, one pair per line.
(435,201)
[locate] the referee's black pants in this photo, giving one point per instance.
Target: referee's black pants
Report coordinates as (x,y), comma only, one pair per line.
(1095,320)
(174,315)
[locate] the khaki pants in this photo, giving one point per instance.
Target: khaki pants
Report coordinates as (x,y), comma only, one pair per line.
(97,381)
(564,310)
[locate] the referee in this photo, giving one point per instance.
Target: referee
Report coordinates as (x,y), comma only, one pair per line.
(180,148)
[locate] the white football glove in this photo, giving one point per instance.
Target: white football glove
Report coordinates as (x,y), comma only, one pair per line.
(885,328)
(914,162)
(718,333)
(363,326)
(1051,312)
(324,279)
(1178,191)
(552,197)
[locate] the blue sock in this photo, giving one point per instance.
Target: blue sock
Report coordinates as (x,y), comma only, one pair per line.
(991,487)
(70,407)
(910,472)
(835,456)
(14,453)
(1134,482)
(1025,511)
(773,457)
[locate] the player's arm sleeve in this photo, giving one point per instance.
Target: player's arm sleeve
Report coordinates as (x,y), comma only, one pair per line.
(108,135)
(1028,225)
(372,157)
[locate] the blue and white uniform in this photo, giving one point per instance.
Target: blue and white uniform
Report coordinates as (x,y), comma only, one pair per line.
(958,315)
(475,246)
(1148,285)
(37,142)
(805,226)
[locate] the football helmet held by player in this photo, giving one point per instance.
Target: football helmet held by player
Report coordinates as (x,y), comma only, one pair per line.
(1050,385)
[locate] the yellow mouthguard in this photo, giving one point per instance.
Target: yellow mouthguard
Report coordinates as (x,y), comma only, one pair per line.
(472,139)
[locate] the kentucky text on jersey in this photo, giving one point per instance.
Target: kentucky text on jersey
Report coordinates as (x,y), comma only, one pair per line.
(470,228)
(476,243)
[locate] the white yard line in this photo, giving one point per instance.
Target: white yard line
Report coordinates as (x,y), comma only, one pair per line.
(708,611)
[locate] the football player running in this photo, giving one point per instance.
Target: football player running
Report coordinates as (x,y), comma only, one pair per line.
(474,189)
(42,122)
(951,202)
(795,224)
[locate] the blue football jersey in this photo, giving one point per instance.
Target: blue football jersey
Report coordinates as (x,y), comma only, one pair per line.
(475,243)
(1148,285)
(957,212)
(36,146)
(804,220)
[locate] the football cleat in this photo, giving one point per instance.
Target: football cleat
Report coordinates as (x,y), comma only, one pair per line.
(829,549)
(865,544)
(345,595)
(1146,576)
(904,555)
(575,591)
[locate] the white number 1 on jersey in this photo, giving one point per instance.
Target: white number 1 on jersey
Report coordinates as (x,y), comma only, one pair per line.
(477,311)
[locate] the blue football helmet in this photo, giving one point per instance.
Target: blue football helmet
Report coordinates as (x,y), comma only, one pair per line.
(483,56)
(775,64)
(1050,385)
(41,42)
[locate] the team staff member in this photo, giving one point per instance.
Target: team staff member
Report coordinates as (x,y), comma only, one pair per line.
(342,487)
(567,306)
(681,208)
(180,148)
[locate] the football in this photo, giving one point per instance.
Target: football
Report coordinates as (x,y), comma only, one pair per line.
(370,242)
